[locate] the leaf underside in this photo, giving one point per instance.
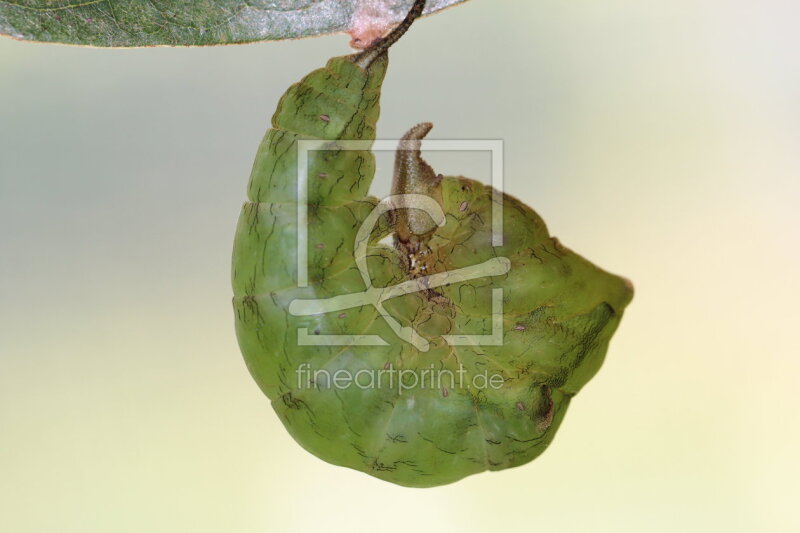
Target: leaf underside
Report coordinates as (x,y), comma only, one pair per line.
(133,23)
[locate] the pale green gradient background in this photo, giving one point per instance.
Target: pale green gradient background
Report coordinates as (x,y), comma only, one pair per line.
(658,139)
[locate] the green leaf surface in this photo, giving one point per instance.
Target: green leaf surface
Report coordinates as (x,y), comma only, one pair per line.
(457,374)
(114,23)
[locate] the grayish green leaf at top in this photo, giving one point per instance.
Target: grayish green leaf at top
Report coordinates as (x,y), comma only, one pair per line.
(118,23)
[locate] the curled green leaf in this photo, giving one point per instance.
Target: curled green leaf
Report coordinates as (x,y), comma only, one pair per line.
(454,350)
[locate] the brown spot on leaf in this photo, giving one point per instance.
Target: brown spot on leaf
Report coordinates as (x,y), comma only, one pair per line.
(546,410)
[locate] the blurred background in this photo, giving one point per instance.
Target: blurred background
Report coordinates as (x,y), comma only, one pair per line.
(658,139)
